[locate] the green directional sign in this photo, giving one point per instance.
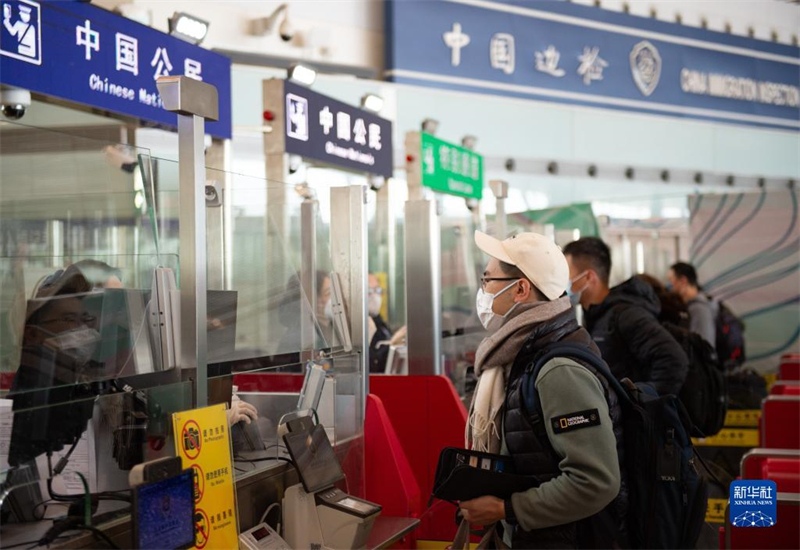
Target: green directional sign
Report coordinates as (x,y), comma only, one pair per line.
(451,169)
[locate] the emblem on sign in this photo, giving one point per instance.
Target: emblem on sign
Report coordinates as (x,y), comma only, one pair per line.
(645,67)
(297,117)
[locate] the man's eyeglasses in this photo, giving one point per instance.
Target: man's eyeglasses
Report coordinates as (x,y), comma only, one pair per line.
(485,280)
(377,290)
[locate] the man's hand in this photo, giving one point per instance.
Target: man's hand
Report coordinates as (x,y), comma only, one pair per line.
(241,410)
(483,510)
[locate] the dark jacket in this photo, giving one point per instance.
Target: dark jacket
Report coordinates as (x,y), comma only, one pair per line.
(378,346)
(533,454)
(625,327)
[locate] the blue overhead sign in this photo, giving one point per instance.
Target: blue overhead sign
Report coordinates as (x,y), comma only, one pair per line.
(82,53)
(559,51)
(322,128)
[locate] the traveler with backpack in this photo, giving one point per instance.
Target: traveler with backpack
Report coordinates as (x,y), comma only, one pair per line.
(702,311)
(704,390)
(571,445)
(623,320)
(710,317)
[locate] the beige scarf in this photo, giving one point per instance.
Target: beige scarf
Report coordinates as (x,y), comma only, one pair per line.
(493,360)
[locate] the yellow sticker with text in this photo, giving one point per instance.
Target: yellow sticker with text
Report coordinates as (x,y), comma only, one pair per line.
(202,440)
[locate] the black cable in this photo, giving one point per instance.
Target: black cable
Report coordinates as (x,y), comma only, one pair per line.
(98,533)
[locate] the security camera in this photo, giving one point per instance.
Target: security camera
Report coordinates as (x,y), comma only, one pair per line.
(14,102)
(213,193)
(286,30)
(376,182)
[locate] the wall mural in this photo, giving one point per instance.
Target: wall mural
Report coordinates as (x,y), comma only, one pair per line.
(746,248)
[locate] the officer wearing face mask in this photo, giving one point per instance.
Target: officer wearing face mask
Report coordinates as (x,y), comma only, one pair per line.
(379,332)
(55,368)
(523,305)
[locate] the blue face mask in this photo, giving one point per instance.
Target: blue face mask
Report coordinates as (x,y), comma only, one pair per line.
(575,296)
(669,287)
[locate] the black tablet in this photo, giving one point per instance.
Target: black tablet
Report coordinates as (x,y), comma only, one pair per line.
(314,458)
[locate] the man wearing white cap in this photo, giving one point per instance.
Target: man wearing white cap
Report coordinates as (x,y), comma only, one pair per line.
(522,303)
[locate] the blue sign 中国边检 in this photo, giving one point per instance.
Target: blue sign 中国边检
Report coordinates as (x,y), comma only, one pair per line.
(82,53)
(753,503)
(322,128)
(563,52)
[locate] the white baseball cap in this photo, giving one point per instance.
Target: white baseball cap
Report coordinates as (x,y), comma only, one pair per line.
(537,256)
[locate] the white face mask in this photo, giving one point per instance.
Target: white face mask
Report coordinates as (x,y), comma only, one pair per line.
(328,310)
(483,304)
(575,297)
(78,344)
(374,302)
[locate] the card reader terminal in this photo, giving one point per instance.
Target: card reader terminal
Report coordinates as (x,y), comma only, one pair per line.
(340,500)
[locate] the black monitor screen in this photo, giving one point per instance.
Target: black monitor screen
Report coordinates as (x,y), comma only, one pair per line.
(163,513)
(314,458)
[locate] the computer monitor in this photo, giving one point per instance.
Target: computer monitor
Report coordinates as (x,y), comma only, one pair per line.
(314,458)
(163,513)
(313,383)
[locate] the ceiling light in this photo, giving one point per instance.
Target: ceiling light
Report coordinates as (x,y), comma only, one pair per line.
(302,74)
(372,102)
(188,27)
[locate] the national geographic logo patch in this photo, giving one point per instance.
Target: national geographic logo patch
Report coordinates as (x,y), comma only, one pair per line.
(575,421)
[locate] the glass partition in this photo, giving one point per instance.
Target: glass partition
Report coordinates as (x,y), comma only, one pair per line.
(85,372)
(257,307)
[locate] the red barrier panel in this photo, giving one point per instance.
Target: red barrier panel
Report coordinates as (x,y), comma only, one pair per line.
(269,382)
(789,367)
(784,534)
(390,480)
(780,465)
(427,415)
(790,387)
(780,422)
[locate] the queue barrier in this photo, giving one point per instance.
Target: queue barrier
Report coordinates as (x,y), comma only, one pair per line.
(390,481)
(789,368)
(784,534)
(780,465)
(784,387)
(780,422)
(428,415)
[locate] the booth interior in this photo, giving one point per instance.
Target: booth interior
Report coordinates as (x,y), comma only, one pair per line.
(91,344)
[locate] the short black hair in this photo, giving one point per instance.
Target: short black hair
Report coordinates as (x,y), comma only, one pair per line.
(682,269)
(591,253)
(514,271)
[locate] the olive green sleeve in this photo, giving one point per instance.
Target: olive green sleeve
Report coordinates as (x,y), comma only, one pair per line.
(590,477)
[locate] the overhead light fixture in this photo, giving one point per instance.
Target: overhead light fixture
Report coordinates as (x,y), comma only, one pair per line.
(302,74)
(188,27)
(372,102)
(430,125)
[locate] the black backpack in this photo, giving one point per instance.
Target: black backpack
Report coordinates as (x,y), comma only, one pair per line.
(667,496)
(730,336)
(704,392)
